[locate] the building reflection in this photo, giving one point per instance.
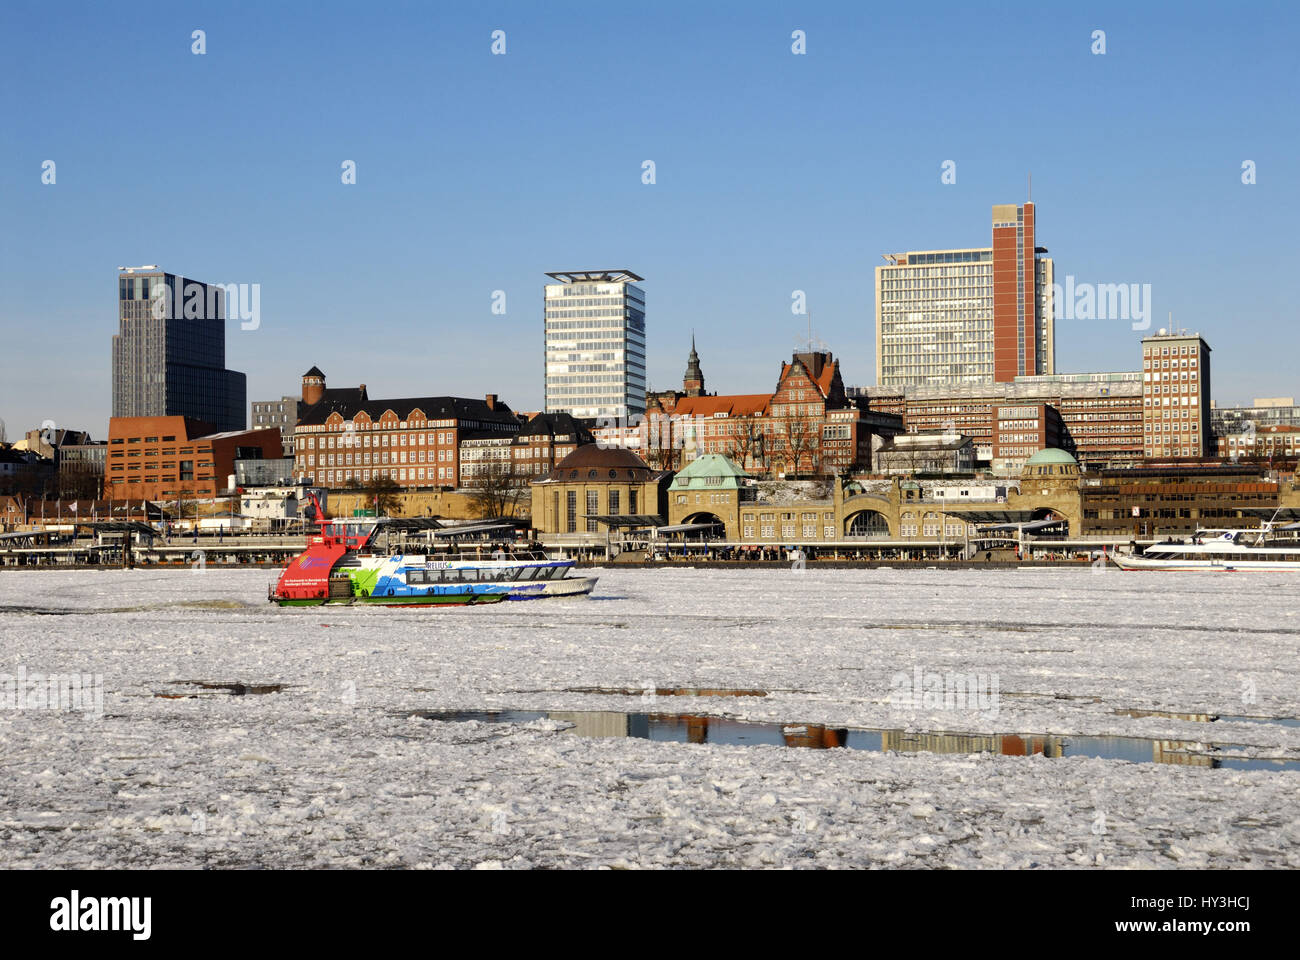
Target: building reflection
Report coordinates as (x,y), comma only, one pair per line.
(701,728)
(1188,753)
(1007,745)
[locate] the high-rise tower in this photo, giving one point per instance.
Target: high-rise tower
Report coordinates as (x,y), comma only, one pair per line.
(169,354)
(594,357)
(967,316)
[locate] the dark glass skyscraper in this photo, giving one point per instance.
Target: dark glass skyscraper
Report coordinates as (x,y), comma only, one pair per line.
(169,354)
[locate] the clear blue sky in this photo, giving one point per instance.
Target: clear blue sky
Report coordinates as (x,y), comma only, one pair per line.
(775,172)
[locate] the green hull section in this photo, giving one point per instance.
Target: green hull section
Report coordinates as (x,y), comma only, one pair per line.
(445,600)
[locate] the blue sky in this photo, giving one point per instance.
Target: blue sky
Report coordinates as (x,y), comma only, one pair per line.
(775,172)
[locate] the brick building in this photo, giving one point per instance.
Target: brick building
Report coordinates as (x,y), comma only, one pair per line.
(1176,395)
(162,458)
(544,441)
(1020,430)
(806,426)
(1100,414)
(343,435)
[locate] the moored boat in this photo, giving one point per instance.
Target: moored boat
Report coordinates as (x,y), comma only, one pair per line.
(1218,551)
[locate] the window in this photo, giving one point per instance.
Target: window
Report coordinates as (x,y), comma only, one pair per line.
(593,507)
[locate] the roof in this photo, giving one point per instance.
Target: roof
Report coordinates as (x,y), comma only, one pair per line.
(594,462)
(824,380)
(341,399)
(553,424)
(920,442)
(626,519)
(991,517)
(594,276)
(733,405)
(688,527)
(434,408)
(1026,527)
(710,465)
(314,372)
(1050,455)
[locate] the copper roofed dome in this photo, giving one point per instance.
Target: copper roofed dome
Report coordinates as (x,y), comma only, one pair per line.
(594,462)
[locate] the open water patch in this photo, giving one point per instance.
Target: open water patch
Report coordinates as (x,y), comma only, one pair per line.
(663,691)
(233,689)
(703,729)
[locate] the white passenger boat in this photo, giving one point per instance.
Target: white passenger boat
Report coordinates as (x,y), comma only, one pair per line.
(343,565)
(1221,551)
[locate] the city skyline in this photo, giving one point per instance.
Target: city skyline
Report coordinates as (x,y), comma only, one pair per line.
(757,181)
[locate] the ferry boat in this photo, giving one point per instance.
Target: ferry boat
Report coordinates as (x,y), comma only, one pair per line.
(342,566)
(1218,551)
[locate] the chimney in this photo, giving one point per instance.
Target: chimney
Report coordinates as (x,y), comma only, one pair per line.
(491,401)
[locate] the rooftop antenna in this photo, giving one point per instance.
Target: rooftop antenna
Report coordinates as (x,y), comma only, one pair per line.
(1031,186)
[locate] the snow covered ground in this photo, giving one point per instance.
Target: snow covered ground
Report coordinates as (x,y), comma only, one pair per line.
(333,771)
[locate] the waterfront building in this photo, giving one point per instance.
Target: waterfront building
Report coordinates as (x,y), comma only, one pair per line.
(1272,442)
(1100,413)
(1263,412)
(971,315)
(169,354)
(282,414)
(161,458)
(342,435)
(485,455)
(706,495)
(1176,395)
(1177,499)
(1022,429)
(807,426)
(597,490)
(545,440)
(926,453)
(595,342)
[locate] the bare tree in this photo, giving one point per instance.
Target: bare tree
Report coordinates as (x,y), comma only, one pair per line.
(383,493)
(661,448)
(747,443)
(799,441)
(497,490)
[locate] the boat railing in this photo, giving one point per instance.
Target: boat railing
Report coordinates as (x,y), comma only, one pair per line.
(520,556)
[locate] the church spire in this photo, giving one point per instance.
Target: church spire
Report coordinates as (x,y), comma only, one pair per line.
(693,382)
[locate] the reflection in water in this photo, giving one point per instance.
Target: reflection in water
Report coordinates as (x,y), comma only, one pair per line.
(701,729)
(1167,715)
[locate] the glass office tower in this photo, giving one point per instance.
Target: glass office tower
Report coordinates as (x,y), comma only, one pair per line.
(169,354)
(595,344)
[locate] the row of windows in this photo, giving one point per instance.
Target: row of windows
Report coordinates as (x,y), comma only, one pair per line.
(403,475)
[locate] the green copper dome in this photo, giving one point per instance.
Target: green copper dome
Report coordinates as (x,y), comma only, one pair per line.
(1050,455)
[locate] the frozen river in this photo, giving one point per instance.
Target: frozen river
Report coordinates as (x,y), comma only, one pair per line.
(321,738)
